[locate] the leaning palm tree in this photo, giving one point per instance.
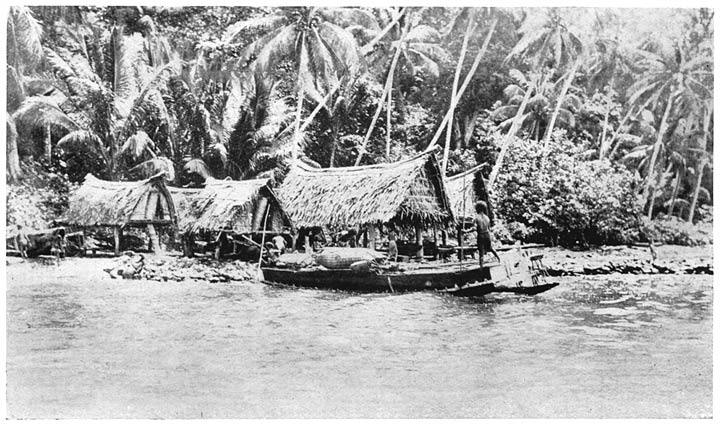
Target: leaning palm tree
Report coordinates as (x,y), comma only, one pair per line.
(320,50)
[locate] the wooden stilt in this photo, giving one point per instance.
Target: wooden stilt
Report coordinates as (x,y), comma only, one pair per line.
(154,243)
(308,246)
(116,238)
(419,242)
(461,253)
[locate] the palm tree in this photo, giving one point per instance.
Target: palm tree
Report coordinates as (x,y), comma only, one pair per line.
(258,142)
(611,60)
(115,102)
(321,51)
(24,51)
(548,44)
(538,107)
(673,82)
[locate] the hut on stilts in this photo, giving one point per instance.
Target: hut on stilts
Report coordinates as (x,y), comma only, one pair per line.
(119,205)
(228,207)
(408,195)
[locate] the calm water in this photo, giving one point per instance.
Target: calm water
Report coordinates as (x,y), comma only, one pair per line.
(613,346)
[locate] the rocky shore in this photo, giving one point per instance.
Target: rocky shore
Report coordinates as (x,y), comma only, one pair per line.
(629,260)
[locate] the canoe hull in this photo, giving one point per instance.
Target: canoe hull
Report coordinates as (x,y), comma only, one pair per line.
(372,281)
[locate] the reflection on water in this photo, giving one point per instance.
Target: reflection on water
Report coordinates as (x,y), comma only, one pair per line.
(618,346)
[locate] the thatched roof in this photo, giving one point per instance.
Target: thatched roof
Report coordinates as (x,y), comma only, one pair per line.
(233,206)
(104,203)
(406,193)
(182,199)
(464,190)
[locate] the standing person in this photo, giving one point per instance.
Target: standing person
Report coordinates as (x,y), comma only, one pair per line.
(21,242)
(482,224)
(392,245)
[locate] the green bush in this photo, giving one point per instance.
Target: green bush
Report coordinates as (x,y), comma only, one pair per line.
(671,230)
(562,200)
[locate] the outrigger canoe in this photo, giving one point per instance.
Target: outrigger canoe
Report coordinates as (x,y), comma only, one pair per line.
(513,275)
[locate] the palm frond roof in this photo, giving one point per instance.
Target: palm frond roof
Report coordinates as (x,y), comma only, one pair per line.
(407,193)
(104,203)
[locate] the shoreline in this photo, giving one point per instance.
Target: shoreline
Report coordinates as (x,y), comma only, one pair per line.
(669,259)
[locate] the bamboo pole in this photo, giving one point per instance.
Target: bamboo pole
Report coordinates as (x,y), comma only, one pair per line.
(465,84)
(453,97)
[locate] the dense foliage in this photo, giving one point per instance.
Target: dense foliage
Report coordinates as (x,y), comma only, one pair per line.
(127,92)
(547,194)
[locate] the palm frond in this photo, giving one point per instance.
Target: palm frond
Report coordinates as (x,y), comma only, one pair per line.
(253,24)
(87,140)
(350,16)
(423,34)
(198,167)
(36,112)
(137,144)
(152,167)
(24,34)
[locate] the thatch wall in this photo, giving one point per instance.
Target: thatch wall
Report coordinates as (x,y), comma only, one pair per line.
(407,193)
(182,199)
(234,206)
(104,203)
(464,190)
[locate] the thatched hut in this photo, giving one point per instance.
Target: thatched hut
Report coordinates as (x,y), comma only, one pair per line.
(464,190)
(233,206)
(407,194)
(99,203)
(230,207)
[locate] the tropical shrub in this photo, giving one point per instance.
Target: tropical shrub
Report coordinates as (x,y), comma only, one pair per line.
(562,200)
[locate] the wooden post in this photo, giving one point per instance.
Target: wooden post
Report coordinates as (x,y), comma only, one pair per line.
(372,236)
(443,234)
(218,247)
(154,243)
(418,241)
(308,247)
(461,252)
(116,238)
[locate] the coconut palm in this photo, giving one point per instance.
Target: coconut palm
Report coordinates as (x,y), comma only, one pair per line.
(539,108)
(320,50)
(610,62)
(676,83)
(24,51)
(115,105)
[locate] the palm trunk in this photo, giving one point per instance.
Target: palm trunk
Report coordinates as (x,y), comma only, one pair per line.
(649,182)
(387,87)
(622,123)
(48,143)
(678,177)
(388,120)
(511,134)
(703,163)
(603,148)
(453,97)
(14,173)
(465,84)
(335,132)
(561,99)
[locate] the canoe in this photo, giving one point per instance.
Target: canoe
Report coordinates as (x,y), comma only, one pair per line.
(436,277)
(517,273)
